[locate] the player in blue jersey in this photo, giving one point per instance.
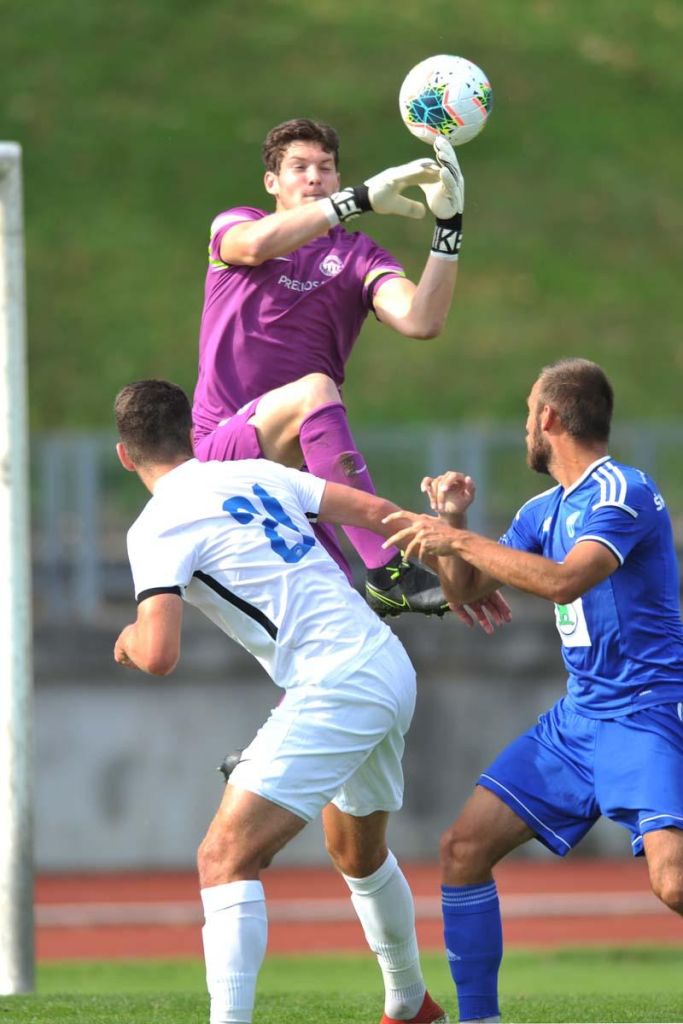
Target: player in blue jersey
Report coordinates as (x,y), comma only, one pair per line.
(600,546)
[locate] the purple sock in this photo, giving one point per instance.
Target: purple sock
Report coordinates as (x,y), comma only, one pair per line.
(330,452)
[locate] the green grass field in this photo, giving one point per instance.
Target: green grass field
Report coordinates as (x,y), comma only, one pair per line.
(637,984)
(139,122)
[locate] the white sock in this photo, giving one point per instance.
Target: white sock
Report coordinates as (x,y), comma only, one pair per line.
(384,904)
(235,934)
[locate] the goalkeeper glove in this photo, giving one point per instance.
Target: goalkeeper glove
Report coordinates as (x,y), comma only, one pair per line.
(446,200)
(383,193)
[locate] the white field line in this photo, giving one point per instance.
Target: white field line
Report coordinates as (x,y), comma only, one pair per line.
(186,912)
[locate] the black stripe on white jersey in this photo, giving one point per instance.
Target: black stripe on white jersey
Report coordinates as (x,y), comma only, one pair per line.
(153,591)
(254,613)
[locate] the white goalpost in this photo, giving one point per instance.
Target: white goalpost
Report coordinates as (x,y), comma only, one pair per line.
(16,832)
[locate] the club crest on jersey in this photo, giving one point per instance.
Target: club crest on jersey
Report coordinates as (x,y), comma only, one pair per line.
(570,523)
(570,620)
(565,618)
(331,265)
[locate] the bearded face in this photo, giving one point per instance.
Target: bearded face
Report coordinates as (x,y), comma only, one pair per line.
(538,451)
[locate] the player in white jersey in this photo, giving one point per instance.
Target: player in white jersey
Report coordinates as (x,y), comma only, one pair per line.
(600,546)
(235,539)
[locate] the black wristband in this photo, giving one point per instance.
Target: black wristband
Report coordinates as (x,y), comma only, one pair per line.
(447,237)
(351,202)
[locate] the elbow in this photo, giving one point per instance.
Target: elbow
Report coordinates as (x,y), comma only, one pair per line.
(160,668)
(162,663)
(427,331)
(565,592)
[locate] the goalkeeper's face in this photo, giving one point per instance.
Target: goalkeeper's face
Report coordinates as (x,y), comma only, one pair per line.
(307,172)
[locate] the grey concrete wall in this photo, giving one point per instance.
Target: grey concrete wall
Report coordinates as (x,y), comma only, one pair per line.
(125,763)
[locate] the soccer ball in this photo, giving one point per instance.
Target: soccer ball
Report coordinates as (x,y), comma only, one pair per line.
(445,95)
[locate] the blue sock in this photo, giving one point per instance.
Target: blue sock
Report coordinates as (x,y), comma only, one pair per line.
(474,946)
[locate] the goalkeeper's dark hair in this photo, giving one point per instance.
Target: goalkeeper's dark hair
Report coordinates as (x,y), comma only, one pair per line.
(300,129)
(154,420)
(582,396)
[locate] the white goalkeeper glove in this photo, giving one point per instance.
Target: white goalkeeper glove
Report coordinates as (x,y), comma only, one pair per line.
(383,193)
(446,200)
(385,188)
(446,196)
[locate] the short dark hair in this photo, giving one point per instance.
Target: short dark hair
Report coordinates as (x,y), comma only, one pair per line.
(300,129)
(154,420)
(582,396)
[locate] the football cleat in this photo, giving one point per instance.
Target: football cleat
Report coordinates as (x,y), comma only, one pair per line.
(429,1013)
(405,587)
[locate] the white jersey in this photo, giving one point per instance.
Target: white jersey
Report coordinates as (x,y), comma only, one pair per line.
(234,539)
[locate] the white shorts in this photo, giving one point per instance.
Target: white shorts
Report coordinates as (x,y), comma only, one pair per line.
(340,741)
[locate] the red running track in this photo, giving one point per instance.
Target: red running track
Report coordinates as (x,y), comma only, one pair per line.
(578,902)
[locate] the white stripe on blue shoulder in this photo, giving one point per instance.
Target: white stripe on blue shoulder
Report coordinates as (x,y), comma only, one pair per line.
(608,544)
(613,488)
(584,476)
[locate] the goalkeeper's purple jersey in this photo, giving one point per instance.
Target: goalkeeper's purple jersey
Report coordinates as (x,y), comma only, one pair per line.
(622,641)
(266,326)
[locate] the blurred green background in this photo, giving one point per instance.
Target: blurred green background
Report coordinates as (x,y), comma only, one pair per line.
(141,120)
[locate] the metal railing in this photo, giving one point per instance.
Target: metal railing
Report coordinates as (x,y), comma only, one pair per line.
(83,502)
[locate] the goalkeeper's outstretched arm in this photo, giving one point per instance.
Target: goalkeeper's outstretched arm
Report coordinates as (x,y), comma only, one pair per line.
(420,310)
(252,242)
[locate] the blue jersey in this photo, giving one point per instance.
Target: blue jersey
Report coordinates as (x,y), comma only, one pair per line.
(622,641)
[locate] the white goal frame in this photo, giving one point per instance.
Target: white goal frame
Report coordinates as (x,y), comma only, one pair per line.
(16,676)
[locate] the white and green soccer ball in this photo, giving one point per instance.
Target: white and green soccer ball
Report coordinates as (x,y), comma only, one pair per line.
(445,95)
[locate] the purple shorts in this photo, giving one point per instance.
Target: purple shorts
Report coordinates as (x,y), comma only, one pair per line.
(233,439)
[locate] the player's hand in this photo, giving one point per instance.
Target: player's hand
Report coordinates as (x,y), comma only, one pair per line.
(489,612)
(446,196)
(121,655)
(449,494)
(385,189)
(426,536)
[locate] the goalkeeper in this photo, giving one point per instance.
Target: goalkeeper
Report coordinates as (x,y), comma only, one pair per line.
(286,296)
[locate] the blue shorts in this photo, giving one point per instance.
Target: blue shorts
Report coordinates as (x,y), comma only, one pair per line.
(569,770)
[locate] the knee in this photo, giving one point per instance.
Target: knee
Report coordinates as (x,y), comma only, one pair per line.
(355,862)
(317,389)
(669,889)
(462,855)
(222,858)
(454,847)
(213,860)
